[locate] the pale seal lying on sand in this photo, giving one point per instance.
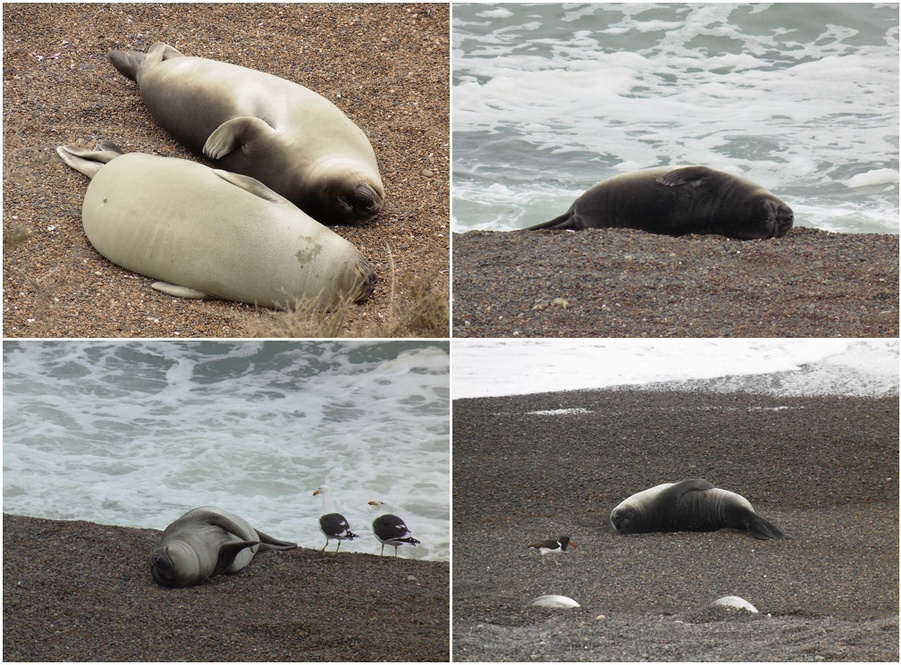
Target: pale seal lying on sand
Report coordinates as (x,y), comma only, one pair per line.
(679,201)
(690,505)
(286,136)
(205,542)
(212,234)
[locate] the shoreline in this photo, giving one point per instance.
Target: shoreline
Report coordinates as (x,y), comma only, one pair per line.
(75,590)
(823,469)
(628,283)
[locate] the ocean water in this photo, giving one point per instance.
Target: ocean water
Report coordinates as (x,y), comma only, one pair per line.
(490,368)
(136,433)
(550,99)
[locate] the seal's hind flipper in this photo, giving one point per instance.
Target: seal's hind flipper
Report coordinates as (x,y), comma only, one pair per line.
(87,161)
(269,543)
(762,529)
(565,222)
(127,62)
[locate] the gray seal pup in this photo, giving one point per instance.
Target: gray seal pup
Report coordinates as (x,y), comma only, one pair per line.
(213,234)
(204,542)
(677,201)
(690,505)
(288,137)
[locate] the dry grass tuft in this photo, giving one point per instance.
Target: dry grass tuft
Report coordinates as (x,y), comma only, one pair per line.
(418,309)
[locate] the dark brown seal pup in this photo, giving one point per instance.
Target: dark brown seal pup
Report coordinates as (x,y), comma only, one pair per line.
(291,139)
(691,505)
(676,202)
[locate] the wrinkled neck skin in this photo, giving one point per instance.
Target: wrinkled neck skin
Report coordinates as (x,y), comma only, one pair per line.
(738,214)
(179,556)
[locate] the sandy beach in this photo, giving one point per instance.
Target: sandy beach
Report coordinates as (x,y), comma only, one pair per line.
(627,283)
(823,469)
(384,65)
(78,591)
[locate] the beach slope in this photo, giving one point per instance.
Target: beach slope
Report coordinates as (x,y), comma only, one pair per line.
(628,283)
(822,469)
(78,591)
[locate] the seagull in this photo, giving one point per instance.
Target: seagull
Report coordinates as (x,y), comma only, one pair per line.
(333,525)
(390,529)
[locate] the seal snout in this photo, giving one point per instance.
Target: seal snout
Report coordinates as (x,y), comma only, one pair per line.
(779,218)
(367,285)
(367,202)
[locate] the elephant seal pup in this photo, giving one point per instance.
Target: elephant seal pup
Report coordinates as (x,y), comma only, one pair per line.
(205,542)
(691,505)
(212,234)
(676,202)
(291,139)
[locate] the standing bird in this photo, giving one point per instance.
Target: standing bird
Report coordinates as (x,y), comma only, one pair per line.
(390,529)
(333,525)
(554,546)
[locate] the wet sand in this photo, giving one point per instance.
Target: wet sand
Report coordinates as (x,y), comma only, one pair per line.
(78,591)
(384,65)
(627,283)
(823,469)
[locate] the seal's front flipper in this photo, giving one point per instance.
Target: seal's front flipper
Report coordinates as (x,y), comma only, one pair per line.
(87,161)
(252,185)
(228,552)
(178,291)
(233,133)
(687,175)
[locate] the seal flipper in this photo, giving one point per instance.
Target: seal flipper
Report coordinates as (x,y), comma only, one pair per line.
(251,185)
(234,133)
(565,222)
(179,291)
(686,175)
(129,63)
(88,162)
(762,529)
(269,543)
(228,552)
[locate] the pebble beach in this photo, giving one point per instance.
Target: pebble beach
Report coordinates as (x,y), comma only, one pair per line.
(823,469)
(384,65)
(628,283)
(78,591)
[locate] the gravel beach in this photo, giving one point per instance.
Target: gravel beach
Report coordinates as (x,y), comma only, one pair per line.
(627,283)
(77,591)
(385,65)
(823,469)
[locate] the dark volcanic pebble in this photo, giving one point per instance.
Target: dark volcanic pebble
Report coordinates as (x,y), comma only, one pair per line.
(384,65)
(78,591)
(823,469)
(627,283)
